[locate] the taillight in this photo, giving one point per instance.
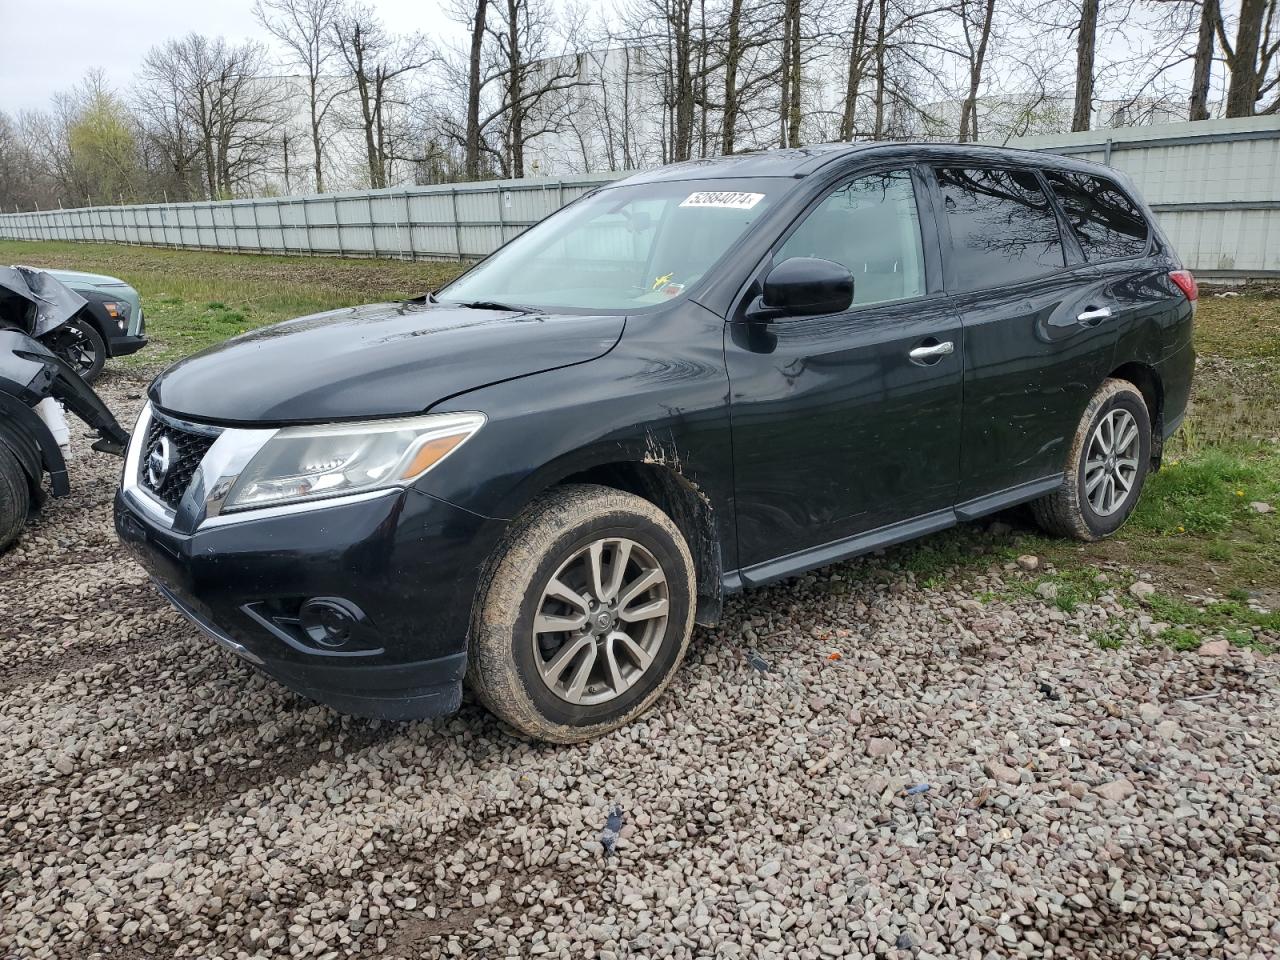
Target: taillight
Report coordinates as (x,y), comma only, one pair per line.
(1186,283)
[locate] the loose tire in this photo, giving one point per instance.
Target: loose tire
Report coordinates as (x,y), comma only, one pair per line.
(15,498)
(81,345)
(583,614)
(1108,464)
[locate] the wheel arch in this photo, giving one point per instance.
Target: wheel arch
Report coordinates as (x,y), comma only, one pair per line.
(687,506)
(1147,380)
(25,435)
(93,313)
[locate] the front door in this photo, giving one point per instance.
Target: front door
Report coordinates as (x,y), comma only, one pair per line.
(848,422)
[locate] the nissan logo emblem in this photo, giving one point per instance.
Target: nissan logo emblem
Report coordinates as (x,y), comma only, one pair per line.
(160,460)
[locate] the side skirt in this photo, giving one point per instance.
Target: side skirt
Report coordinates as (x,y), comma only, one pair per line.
(886,536)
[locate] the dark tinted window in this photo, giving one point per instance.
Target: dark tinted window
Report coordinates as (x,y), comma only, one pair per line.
(1107,223)
(1002,227)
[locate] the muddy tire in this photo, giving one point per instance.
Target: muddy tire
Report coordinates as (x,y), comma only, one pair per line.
(583,614)
(1109,460)
(15,498)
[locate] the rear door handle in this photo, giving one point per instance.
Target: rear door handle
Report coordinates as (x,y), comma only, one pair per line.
(1095,316)
(933,351)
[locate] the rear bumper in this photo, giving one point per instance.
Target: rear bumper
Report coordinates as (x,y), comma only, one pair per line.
(408,562)
(1176,373)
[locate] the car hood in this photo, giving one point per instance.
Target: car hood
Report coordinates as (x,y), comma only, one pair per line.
(379,360)
(75,278)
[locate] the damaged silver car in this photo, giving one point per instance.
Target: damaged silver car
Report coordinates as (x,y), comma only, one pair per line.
(36,388)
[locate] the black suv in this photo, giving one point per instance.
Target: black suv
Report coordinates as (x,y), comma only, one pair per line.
(696,380)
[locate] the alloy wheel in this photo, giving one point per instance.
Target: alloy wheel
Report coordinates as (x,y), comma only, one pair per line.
(600,621)
(1111,463)
(74,346)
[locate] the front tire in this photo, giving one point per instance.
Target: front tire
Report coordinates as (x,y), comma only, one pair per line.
(80,344)
(583,614)
(15,498)
(1108,465)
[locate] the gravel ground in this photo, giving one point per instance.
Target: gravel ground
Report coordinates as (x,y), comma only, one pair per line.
(157,798)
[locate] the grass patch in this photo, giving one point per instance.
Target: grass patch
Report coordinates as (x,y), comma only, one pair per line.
(934,559)
(1205,494)
(193,300)
(1111,638)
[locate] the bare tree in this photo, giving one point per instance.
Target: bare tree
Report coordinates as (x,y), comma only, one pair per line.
(1086,49)
(535,67)
(477,13)
(375,62)
(856,66)
(974,18)
(789,101)
(1202,71)
(221,96)
(1251,55)
(162,102)
(305,29)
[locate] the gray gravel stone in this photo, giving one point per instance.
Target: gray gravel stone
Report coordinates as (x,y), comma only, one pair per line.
(160,799)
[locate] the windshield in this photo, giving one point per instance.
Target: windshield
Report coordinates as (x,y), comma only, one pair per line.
(623,248)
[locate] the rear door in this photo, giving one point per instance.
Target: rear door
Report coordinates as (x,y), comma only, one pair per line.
(1035,346)
(1116,240)
(837,428)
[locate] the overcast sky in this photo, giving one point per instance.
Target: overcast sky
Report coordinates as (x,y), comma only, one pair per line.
(47,45)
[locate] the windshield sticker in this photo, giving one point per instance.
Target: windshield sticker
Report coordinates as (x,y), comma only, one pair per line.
(723,199)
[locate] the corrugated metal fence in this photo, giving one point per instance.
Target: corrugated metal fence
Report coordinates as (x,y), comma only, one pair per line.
(1214,184)
(455,222)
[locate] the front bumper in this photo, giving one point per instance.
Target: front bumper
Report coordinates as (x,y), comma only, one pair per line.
(124,345)
(409,562)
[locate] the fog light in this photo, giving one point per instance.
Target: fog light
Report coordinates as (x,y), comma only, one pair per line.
(330,621)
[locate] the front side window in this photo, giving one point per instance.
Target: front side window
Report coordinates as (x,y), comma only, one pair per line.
(1107,223)
(871,226)
(626,248)
(1002,227)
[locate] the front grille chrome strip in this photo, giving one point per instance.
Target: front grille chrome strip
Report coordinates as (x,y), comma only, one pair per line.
(186,426)
(143,499)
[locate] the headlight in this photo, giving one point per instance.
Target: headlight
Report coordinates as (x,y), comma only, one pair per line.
(117,309)
(307,463)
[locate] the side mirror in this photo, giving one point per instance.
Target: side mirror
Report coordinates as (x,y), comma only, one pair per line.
(804,287)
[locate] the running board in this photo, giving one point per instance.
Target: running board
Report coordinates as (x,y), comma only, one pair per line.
(820,556)
(1009,497)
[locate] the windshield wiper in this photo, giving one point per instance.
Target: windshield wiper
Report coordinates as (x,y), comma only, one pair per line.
(495,305)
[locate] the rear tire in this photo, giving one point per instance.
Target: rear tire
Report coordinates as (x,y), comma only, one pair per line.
(1107,466)
(583,614)
(15,498)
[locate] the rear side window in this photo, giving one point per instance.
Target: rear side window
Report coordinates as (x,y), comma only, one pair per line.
(1002,227)
(1107,223)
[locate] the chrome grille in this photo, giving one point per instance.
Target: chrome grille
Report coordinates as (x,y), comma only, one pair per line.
(169,459)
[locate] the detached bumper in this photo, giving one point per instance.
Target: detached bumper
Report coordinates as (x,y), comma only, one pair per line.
(405,562)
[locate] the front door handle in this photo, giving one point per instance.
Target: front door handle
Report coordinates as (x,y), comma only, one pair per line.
(932,351)
(1095,316)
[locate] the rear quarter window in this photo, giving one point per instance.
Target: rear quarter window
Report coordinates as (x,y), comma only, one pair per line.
(1002,226)
(1105,220)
